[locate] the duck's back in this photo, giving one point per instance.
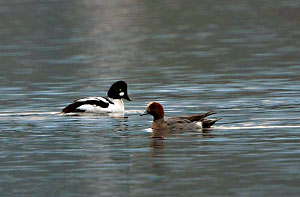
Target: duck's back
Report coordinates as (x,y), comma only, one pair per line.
(182,123)
(192,122)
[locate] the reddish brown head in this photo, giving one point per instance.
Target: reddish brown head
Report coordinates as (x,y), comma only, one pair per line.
(156,110)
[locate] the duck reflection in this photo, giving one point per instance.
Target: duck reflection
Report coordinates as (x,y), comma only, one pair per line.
(157,143)
(158,136)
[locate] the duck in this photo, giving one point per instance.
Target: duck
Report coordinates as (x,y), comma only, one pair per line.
(112,103)
(182,123)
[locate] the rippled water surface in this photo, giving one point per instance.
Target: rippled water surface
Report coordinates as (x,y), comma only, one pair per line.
(239,59)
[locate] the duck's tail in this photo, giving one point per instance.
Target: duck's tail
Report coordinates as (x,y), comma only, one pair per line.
(199,117)
(207,123)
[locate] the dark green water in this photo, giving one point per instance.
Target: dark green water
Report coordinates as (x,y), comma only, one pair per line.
(240,59)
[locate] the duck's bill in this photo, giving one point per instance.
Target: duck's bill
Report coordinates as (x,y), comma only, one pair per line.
(145,113)
(126,97)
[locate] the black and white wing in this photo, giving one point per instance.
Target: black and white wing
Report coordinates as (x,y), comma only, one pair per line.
(88,104)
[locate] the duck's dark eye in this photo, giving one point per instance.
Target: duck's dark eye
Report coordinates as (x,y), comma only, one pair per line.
(151,107)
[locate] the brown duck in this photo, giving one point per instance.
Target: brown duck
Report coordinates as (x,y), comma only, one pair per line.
(189,123)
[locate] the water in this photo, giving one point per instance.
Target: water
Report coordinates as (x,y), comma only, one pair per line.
(239,59)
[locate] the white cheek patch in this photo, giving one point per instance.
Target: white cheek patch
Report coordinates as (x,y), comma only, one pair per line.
(121,94)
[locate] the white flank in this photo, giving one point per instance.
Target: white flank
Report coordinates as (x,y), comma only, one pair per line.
(199,124)
(91,108)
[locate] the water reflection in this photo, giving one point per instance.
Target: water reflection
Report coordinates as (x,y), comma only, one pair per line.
(157,142)
(160,135)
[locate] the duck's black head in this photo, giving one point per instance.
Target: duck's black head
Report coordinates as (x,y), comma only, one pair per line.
(118,90)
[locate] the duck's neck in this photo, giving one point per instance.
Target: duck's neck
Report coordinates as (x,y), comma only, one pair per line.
(159,124)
